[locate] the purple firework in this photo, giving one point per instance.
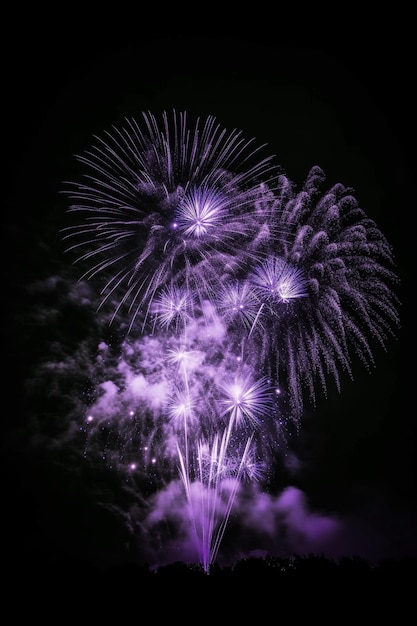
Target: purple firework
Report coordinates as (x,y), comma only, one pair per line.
(163,200)
(328,292)
(238,284)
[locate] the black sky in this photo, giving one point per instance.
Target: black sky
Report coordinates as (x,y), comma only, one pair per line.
(342,100)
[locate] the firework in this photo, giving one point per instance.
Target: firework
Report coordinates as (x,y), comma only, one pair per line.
(165,201)
(257,294)
(329,291)
(211,482)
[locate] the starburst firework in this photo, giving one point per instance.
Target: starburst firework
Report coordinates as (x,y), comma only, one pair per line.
(165,199)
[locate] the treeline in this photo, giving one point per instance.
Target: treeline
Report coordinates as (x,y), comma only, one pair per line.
(310,568)
(252,589)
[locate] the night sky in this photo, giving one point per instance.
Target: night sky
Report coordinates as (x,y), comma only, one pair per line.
(345,104)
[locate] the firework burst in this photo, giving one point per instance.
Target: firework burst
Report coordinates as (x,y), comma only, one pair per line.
(329,289)
(163,199)
(247,400)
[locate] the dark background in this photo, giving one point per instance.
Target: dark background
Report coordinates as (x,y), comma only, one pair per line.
(334,90)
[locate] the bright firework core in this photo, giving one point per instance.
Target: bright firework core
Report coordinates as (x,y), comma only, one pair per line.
(243,296)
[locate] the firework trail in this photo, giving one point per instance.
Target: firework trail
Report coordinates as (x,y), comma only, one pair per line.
(256,293)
